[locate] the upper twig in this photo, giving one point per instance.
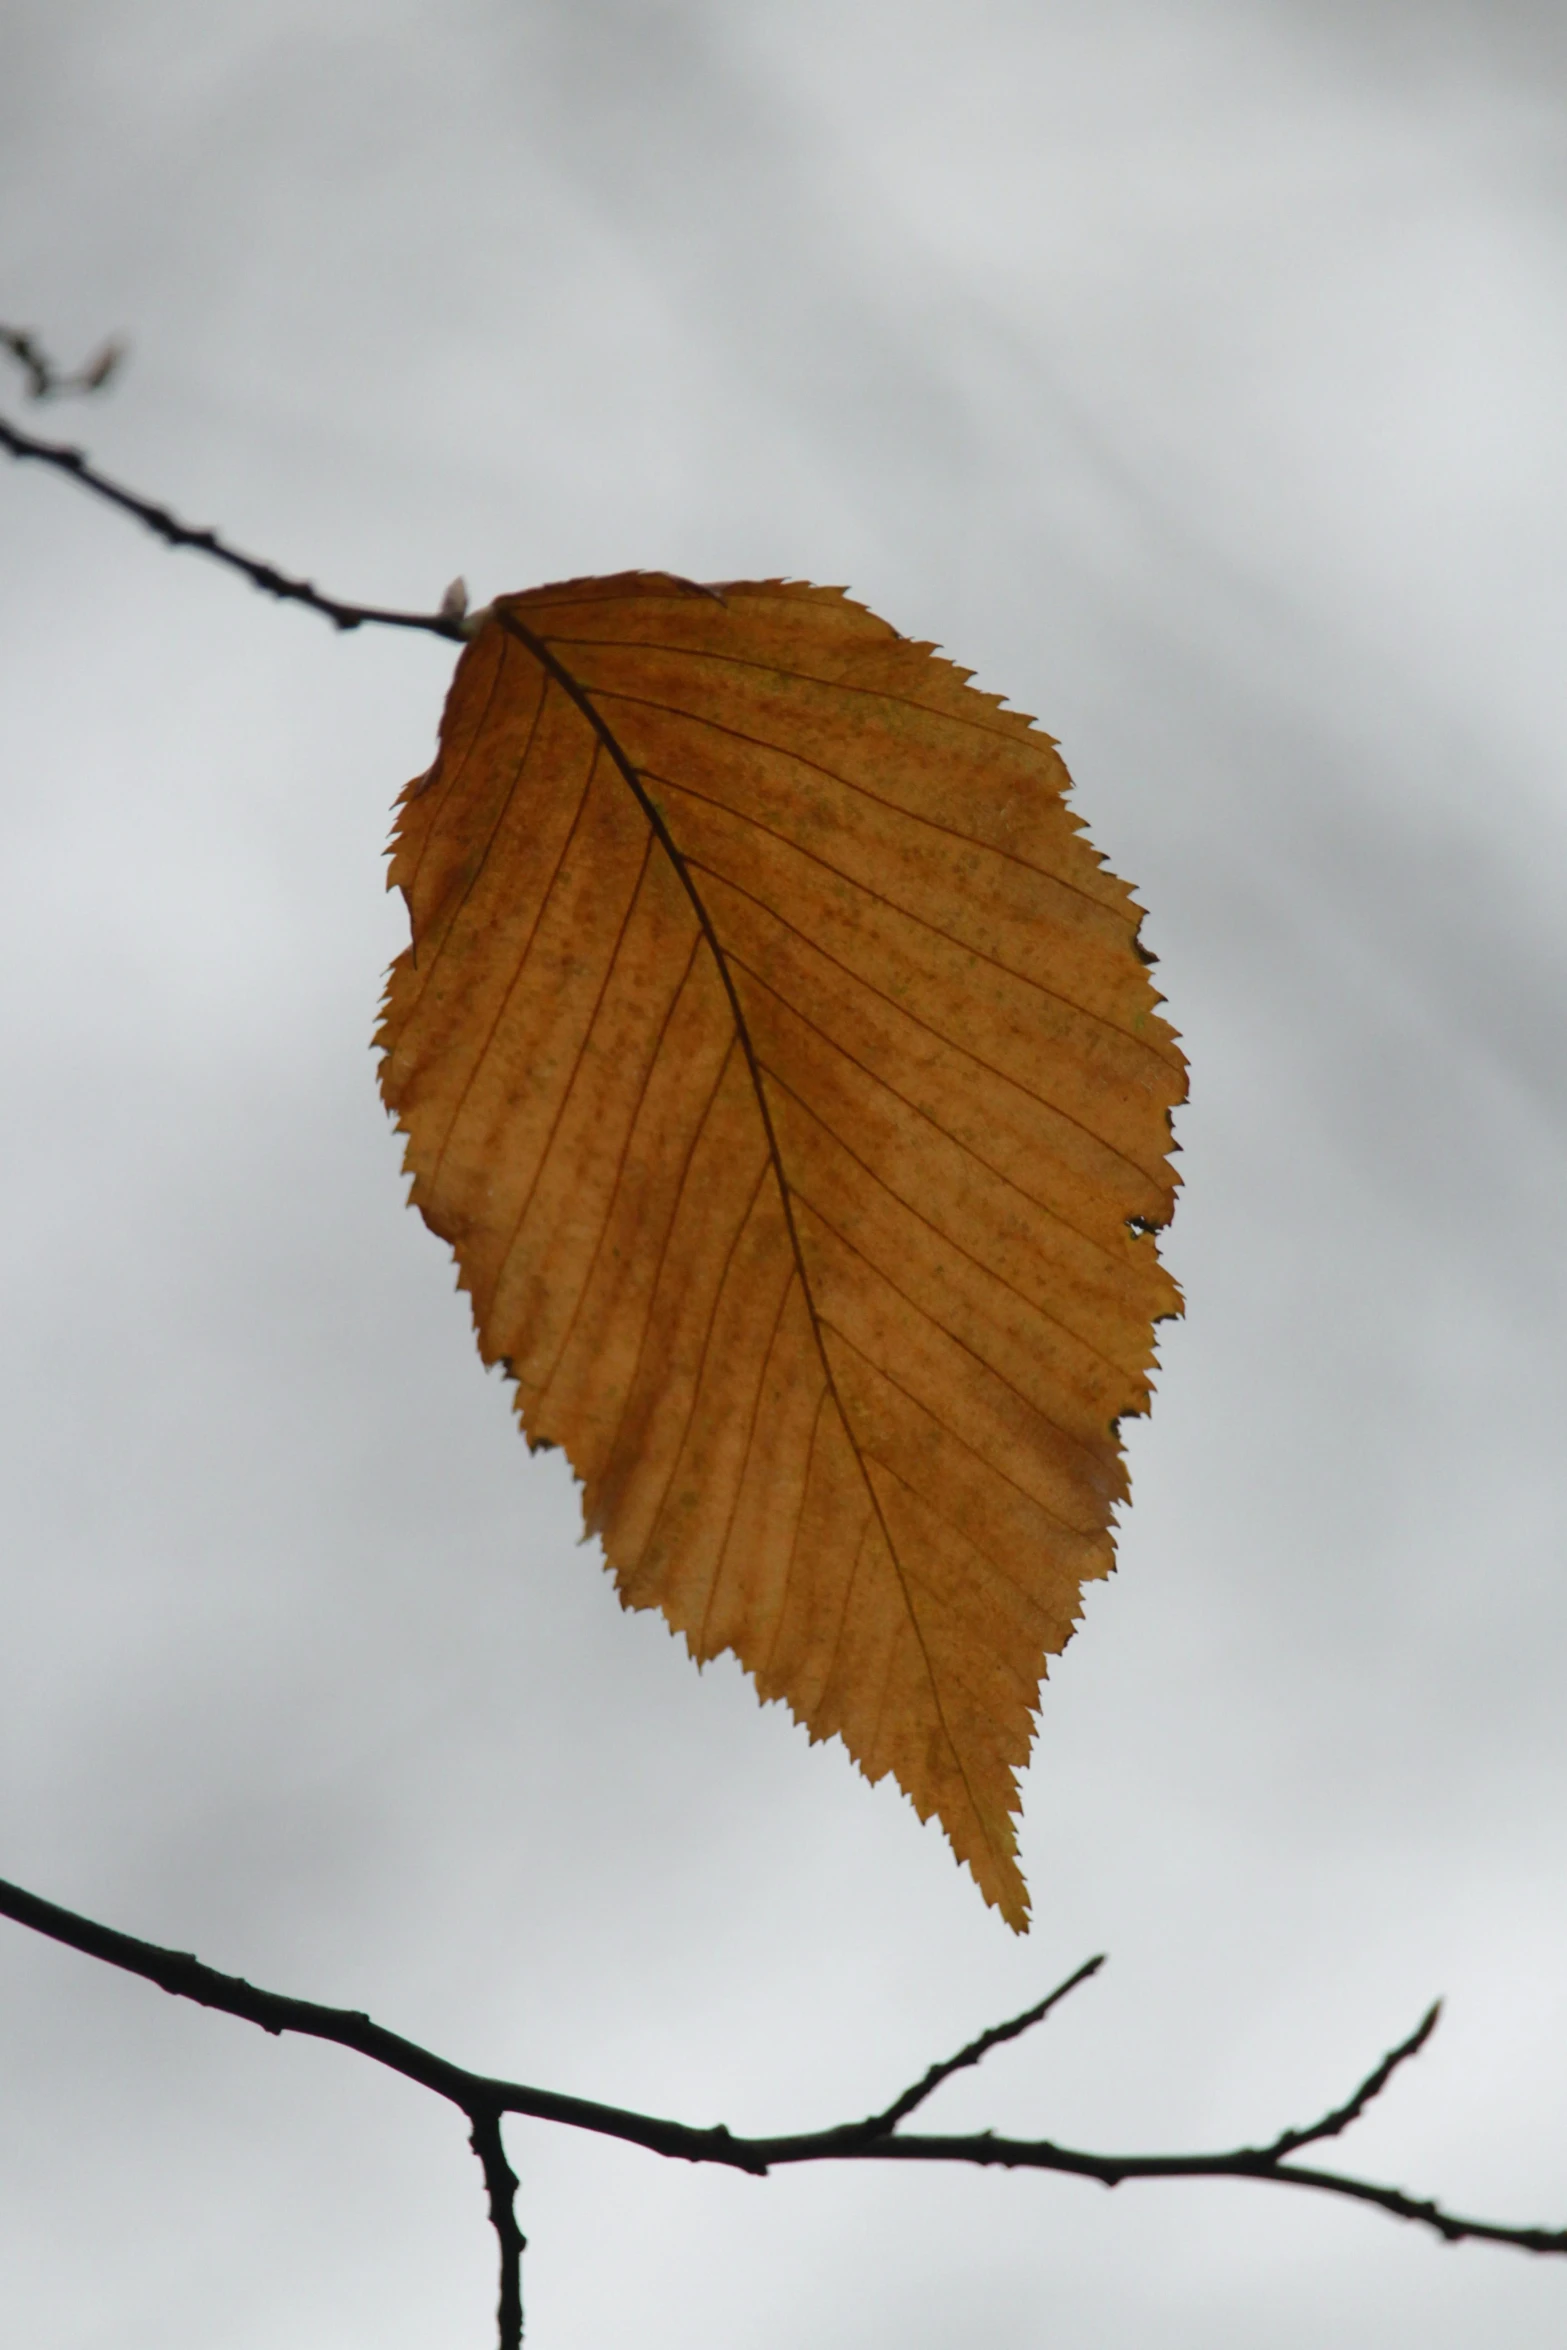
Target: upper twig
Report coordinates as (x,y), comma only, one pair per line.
(44,380)
(447,622)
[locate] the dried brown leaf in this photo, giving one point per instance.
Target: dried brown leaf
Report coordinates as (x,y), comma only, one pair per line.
(778,1059)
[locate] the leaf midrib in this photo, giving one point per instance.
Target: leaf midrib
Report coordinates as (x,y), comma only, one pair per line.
(578,695)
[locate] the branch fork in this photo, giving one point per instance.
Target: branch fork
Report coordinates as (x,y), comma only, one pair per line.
(485,2102)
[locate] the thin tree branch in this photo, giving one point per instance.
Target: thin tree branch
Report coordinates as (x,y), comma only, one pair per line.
(44,380)
(447,622)
(1372,2086)
(500,2183)
(481,2098)
(881,2124)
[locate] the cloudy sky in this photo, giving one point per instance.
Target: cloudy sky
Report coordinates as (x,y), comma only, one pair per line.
(1192,370)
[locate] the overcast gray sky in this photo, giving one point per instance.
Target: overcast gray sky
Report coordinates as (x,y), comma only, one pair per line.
(1194,372)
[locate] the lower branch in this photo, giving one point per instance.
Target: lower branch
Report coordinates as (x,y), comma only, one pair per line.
(877,2139)
(500,2184)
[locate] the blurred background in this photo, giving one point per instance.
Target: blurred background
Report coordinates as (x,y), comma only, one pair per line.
(1193,370)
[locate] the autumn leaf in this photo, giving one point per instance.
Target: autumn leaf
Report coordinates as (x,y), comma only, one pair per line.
(779,1060)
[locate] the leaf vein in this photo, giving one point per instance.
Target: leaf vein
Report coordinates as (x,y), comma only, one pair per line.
(622,1157)
(663,1251)
(995,1468)
(863,791)
(915,1110)
(940,1233)
(578,1064)
(700,1373)
(953,1525)
(822,1394)
(936,1323)
(745,1453)
(517,976)
(927,1027)
(905,913)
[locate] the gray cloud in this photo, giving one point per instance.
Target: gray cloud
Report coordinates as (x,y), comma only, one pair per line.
(1195,373)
